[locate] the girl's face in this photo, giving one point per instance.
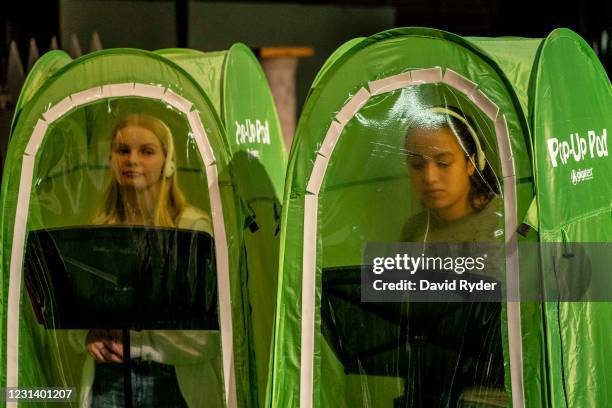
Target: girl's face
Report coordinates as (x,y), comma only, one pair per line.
(439,171)
(137,157)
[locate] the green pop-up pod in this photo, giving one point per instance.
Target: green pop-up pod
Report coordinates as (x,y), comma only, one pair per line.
(572,103)
(567,99)
(238,89)
(397,131)
(120,216)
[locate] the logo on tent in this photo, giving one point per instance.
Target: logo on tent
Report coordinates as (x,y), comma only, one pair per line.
(581,175)
(252,132)
(577,147)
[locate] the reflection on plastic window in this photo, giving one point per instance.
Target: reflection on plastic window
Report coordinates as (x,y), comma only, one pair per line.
(455,183)
(141,190)
(423,354)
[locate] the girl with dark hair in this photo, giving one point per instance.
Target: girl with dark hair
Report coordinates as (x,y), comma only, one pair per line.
(449,171)
(459,191)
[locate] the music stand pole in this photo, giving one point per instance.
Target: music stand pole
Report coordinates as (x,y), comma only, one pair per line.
(127,371)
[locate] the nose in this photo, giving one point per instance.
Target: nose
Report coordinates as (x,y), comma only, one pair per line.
(132,157)
(430,173)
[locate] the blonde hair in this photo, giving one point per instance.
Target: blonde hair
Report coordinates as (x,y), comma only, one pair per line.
(170,201)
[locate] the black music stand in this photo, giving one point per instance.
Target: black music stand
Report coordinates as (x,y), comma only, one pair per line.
(387,338)
(122,277)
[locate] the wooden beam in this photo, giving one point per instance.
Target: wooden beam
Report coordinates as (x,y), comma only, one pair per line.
(284,52)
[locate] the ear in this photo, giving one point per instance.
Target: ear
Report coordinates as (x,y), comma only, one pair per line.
(470,165)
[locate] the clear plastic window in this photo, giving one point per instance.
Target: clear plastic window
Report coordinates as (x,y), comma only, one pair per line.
(120,251)
(416,165)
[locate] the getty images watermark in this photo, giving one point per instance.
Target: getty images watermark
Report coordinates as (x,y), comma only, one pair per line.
(434,264)
(478,272)
(437,272)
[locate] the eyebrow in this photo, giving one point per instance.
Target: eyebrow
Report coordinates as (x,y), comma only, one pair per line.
(121,144)
(435,156)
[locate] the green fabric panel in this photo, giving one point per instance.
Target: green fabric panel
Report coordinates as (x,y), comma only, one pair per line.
(339,52)
(516,57)
(579,375)
(205,68)
(535,372)
(44,68)
(355,205)
(283,380)
(253,128)
(573,96)
(532,215)
(259,163)
(262,264)
(578,332)
(572,106)
(242,97)
(113,66)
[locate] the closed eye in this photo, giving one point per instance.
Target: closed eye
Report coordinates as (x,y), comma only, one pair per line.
(416,163)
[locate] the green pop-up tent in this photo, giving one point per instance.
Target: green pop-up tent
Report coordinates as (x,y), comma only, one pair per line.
(229,161)
(238,89)
(348,186)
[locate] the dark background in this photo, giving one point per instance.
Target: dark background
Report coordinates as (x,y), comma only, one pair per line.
(23,20)
(322,25)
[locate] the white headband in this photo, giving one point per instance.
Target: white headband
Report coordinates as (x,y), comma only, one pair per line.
(170,162)
(480,155)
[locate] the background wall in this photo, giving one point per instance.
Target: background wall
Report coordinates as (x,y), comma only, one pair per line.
(134,24)
(321,24)
(212,26)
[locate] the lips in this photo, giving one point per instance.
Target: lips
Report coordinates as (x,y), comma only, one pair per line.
(434,192)
(131,174)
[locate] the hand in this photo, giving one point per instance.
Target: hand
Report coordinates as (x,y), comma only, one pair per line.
(105,346)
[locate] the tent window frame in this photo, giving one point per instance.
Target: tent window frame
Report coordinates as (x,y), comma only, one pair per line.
(469,89)
(56,112)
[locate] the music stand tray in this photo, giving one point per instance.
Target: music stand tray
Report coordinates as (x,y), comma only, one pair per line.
(122,277)
(388,338)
